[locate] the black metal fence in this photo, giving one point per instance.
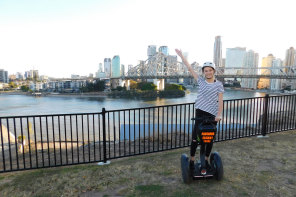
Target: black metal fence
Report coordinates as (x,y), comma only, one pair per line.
(30,142)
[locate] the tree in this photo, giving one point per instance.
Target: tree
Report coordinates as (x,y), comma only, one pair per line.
(25,88)
(91,87)
(99,86)
(174,87)
(133,84)
(12,85)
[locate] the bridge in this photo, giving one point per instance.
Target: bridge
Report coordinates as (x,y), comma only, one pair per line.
(160,67)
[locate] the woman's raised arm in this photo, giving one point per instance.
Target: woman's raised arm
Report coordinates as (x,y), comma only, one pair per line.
(184,60)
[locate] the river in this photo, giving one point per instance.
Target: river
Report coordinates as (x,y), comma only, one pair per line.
(17,105)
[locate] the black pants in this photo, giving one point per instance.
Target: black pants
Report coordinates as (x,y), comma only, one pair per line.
(204,148)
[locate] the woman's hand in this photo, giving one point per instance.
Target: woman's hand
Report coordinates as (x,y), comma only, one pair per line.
(217,118)
(184,60)
(179,52)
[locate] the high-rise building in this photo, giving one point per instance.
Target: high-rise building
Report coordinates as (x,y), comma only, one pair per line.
(266,63)
(32,74)
(235,57)
(4,76)
(122,70)
(164,50)
(151,51)
(107,66)
(101,68)
(290,60)
(130,66)
(218,51)
(276,84)
(115,66)
(290,57)
(19,76)
(250,63)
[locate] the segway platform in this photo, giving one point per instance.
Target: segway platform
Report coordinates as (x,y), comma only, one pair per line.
(214,171)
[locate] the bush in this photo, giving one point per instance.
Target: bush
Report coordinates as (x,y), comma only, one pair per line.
(174,87)
(91,87)
(133,84)
(25,88)
(146,86)
(119,88)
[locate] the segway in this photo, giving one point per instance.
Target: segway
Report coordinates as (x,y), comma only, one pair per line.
(215,169)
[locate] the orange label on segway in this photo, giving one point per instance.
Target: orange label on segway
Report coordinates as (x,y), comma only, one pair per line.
(207,137)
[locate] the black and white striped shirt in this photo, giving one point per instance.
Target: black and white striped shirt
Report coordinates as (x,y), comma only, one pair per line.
(207,95)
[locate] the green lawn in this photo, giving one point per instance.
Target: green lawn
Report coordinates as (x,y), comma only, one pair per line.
(252,167)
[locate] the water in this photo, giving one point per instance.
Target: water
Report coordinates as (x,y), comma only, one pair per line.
(16,105)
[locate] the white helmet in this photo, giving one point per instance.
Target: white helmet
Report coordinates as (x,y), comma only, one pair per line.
(208,64)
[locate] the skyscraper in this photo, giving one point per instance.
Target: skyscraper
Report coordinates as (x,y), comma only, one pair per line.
(218,51)
(251,63)
(107,66)
(290,57)
(100,67)
(151,51)
(266,63)
(290,60)
(4,76)
(276,84)
(164,50)
(235,57)
(122,70)
(115,66)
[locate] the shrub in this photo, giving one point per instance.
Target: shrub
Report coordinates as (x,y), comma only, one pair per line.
(146,86)
(174,87)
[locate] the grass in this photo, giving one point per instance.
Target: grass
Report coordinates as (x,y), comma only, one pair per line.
(252,167)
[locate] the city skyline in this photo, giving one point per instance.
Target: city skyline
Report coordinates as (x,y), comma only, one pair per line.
(64,38)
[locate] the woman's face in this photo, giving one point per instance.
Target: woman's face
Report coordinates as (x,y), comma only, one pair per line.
(209,72)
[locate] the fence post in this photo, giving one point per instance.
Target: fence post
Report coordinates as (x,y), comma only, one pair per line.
(104,135)
(265,115)
(104,139)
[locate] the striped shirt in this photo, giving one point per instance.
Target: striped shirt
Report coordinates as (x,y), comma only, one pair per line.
(207,95)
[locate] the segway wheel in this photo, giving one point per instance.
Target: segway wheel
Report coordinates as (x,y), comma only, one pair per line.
(216,163)
(185,169)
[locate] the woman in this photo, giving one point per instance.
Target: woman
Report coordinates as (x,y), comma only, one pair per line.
(209,103)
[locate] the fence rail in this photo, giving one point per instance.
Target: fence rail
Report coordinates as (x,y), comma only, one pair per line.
(41,141)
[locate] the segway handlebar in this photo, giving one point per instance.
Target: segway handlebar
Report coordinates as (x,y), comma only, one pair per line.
(208,119)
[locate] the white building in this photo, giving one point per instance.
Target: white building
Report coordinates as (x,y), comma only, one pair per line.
(151,51)
(36,86)
(250,63)
(74,76)
(101,69)
(235,58)
(107,66)
(218,51)
(122,70)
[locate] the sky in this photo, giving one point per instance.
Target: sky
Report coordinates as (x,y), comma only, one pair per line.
(64,37)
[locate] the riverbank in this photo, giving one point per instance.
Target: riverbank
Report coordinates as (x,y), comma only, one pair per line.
(252,167)
(88,94)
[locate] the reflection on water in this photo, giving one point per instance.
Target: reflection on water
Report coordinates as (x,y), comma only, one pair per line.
(11,105)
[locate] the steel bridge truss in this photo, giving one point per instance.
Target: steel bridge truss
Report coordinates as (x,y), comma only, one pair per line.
(161,66)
